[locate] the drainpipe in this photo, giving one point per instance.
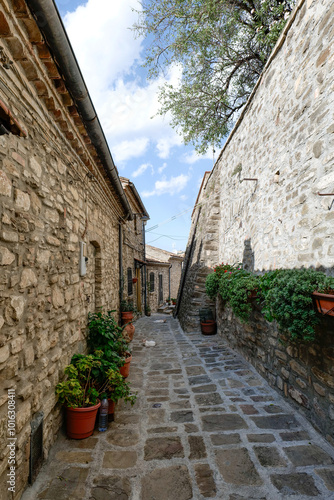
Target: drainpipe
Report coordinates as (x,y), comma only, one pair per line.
(169,280)
(144,259)
(50,24)
(120,257)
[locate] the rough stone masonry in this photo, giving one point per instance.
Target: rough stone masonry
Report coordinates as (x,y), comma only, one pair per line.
(269,204)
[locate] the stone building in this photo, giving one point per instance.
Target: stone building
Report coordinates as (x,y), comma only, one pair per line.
(63,209)
(268,203)
(133,275)
(163,275)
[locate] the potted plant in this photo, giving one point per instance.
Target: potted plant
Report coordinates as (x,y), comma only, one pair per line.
(118,388)
(127,310)
(80,396)
(148,311)
(173,302)
(208,324)
(323,299)
(134,280)
(110,383)
(106,335)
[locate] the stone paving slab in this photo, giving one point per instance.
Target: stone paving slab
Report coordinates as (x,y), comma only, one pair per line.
(205,425)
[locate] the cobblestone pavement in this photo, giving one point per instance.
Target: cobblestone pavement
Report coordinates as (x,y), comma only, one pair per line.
(205,425)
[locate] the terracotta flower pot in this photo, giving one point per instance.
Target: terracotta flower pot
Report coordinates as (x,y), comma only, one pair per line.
(134,280)
(129,330)
(208,327)
(80,422)
(125,370)
(126,317)
(323,303)
(112,405)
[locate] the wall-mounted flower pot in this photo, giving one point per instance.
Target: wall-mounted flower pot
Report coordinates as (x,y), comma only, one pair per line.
(134,280)
(80,422)
(125,369)
(323,303)
(208,327)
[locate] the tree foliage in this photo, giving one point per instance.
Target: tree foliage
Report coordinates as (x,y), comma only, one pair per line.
(221,47)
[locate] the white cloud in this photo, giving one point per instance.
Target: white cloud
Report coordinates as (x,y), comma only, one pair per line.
(142,168)
(193,157)
(165,144)
(109,56)
(183,197)
(102,42)
(172,186)
(125,150)
(161,169)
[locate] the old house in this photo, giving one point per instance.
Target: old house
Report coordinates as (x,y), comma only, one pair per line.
(63,209)
(133,276)
(163,275)
(268,203)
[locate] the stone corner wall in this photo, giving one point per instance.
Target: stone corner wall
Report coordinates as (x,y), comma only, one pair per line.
(201,256)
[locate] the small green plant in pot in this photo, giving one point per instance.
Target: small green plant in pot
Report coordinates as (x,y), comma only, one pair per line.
(80,396)
(127,311)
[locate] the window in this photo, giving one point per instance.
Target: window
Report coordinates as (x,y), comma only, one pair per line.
(130,290)
(151,282)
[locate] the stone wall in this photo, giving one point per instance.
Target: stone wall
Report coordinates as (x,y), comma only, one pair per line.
(284,140)
(49,202)
(302,373)
(175,275)
(133,248)
(201,254)
(276,161)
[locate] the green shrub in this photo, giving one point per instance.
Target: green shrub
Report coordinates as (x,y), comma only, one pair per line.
(105,334)
(285,295)
(213,279)
(287,299)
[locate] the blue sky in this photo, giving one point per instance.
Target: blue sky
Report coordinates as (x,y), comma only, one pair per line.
(145,149)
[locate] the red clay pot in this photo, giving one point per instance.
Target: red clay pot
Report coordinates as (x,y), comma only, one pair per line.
(111,410)
(80,422)
(126,317)
(125,370)
(323,303)
(208,327)
(129,330)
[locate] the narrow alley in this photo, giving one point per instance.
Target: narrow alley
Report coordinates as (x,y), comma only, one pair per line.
(205,425)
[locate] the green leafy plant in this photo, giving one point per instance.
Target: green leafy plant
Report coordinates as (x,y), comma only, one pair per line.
(108,381)
(241,284)
(127,306)
(287,299)
(285,295)
(117,388)
(105,334)
(79,390)
(213,279)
